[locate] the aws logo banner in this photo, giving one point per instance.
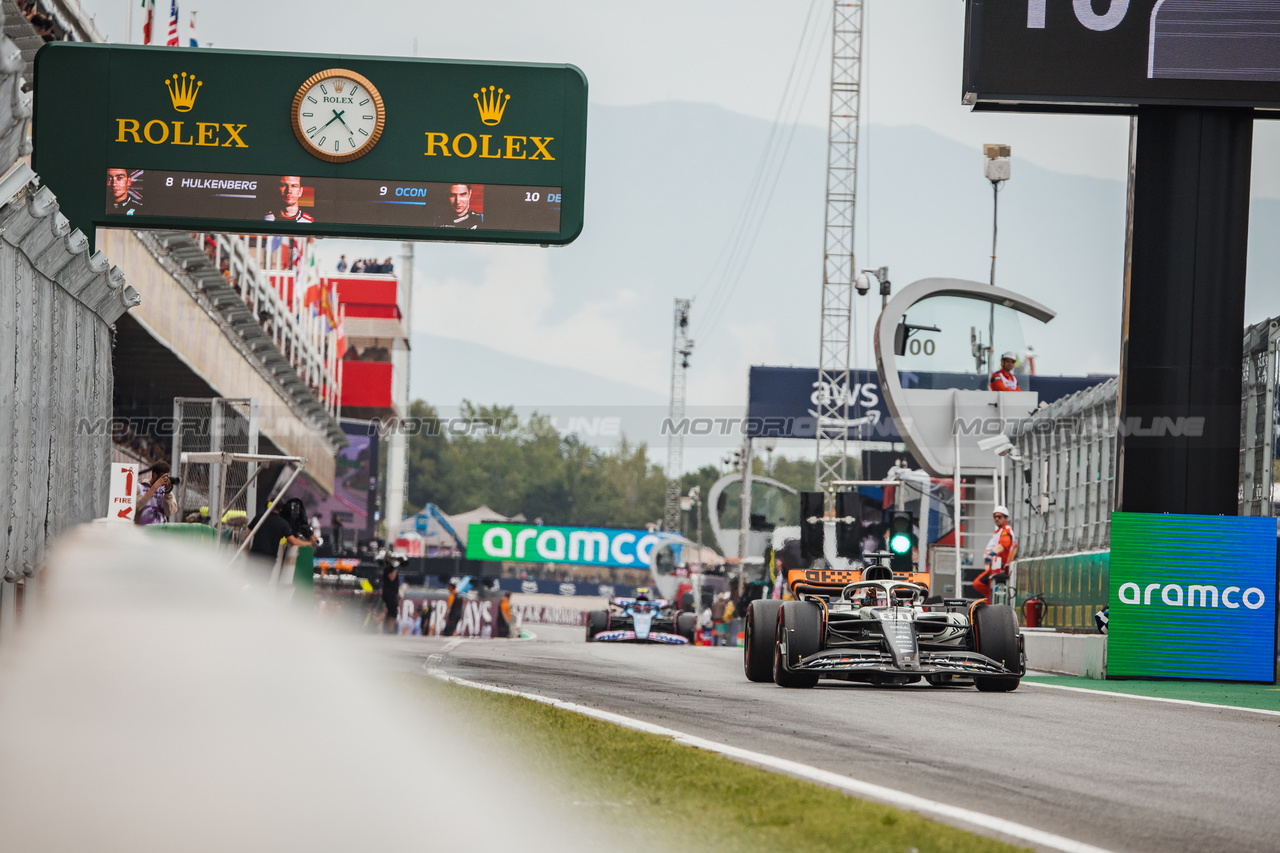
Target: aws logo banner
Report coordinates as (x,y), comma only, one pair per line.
(585,546)
(1192,597)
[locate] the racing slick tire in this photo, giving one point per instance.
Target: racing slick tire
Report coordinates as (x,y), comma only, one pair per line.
(686,625)
(762,632)
(801,623)
(597,621)
(995,634)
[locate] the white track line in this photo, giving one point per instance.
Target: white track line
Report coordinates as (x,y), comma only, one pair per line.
(1152,698)
(889,796)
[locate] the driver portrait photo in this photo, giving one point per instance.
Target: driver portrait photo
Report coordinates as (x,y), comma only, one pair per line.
(461,216)
(122,199)
(290,196)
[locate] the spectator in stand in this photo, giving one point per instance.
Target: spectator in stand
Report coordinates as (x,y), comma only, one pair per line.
(156,504)
(342,263)
(357,266)
(388,267)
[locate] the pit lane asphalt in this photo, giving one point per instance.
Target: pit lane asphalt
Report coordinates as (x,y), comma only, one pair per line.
(1102,769)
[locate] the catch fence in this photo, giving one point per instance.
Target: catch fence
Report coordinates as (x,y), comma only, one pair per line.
(210,490)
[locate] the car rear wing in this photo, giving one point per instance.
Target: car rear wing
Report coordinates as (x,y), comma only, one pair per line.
(831,581)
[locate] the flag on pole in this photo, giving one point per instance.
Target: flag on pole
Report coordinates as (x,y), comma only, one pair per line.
(329,305)
(308,277)
(148,6)
(192,41)
(173,24)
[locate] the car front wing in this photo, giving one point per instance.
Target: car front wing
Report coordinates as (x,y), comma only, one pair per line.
(630,637)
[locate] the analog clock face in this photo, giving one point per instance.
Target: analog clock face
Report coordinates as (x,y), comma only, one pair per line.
(338,115)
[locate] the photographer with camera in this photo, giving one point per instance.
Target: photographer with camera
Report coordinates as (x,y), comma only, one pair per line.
(157,503)
(390,564)
(281,525)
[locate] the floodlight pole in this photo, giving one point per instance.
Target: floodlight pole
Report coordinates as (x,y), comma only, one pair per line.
(995,229)
(997,170)
(836,324)
(681,349)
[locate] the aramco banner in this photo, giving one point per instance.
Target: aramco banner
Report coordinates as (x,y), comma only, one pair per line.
(584,546)
(1192,597)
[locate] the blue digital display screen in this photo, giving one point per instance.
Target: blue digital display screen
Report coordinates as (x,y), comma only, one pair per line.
(1192,597)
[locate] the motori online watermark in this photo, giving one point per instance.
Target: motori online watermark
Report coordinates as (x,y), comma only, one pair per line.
(643,422)
(1157,427)
(203,426)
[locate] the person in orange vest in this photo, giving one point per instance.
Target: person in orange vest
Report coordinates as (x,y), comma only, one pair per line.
(1003,379)
(453,611)
(505,620)
(1001,551)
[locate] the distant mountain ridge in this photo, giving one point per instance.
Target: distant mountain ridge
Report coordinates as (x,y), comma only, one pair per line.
(665,182)
(445,371)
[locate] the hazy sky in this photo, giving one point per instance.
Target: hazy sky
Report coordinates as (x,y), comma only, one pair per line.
(734,54)
(737,55)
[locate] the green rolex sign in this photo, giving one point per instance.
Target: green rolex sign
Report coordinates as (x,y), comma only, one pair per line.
(283,143)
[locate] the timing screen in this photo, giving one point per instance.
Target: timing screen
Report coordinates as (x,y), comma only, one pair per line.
(338,201)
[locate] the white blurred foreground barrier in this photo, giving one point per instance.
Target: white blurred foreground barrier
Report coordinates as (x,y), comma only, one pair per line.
(160,703)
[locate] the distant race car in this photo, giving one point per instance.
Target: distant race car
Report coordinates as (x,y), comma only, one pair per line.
(881,631)
(640,620)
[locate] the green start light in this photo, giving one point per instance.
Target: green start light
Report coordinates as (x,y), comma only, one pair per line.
(900,543)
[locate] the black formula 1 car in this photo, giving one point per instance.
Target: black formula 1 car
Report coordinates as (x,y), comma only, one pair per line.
(640,620)
(882,632)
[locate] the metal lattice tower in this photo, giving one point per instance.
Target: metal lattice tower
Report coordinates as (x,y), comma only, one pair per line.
(681,348)
(838,269)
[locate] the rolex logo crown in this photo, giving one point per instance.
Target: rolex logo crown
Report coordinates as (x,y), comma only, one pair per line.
(491,105)
(338,85)
(183,92)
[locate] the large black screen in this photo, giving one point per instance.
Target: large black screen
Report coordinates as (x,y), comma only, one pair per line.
(1120,53)
(346,201)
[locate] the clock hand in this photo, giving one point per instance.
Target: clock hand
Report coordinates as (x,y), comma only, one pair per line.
(337,116)
(344,124)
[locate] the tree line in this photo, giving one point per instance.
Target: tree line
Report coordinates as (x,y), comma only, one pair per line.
(529,467)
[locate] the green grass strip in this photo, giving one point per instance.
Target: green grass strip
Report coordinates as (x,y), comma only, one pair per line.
(1264,696)
(685,797)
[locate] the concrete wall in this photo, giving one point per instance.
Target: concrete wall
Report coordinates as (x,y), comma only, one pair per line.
(175,318)
(1066,654)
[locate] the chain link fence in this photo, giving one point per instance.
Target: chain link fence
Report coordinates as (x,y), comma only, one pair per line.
(208,491)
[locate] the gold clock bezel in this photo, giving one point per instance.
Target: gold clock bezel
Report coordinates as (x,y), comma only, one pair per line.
(379,108)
